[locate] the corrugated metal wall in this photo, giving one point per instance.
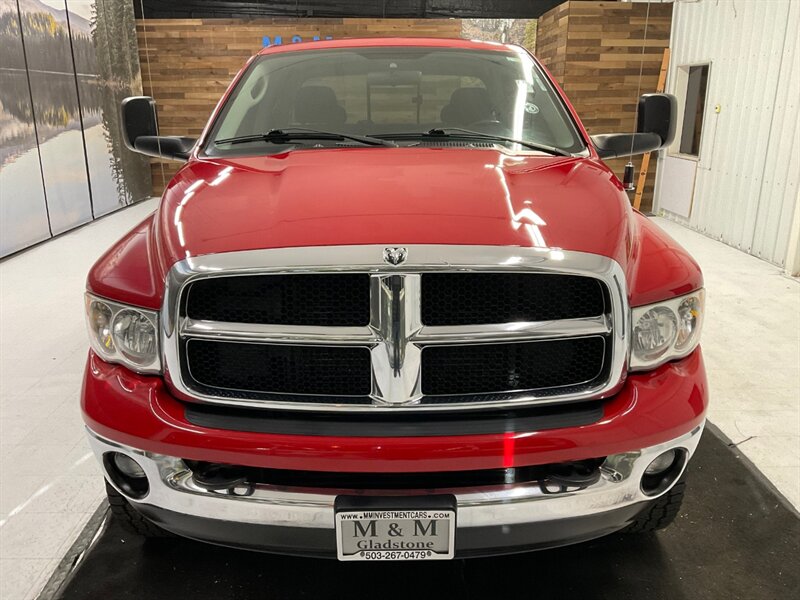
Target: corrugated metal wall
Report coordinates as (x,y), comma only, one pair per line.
(746,187)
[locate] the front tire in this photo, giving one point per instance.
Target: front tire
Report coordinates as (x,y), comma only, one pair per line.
(660,512)
(129,518)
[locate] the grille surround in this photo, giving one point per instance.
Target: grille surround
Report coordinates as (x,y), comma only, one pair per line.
(396,291)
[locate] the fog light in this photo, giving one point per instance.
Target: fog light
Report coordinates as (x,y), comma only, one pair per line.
(663,471)
(661,463)
(128,466)
(127,474)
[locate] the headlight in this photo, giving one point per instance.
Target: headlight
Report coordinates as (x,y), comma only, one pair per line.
(666,331)
(124,334)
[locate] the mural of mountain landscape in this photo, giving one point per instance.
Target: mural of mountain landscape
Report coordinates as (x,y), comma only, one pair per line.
(65,66)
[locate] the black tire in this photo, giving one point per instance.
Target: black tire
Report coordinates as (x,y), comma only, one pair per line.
(130,519)
(661,511)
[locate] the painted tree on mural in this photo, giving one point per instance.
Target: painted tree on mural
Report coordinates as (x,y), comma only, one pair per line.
(115,42)
(45,39)
(118,67)
(12,56)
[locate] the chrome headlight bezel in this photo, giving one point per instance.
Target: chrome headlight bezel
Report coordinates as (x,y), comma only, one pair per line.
(678,347)
(109,350)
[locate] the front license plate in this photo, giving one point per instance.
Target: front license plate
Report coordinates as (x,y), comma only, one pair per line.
(399,533)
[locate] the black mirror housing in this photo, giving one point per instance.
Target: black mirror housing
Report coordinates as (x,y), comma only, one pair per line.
(138,119)
(656,116)
(657,113)
(140,131)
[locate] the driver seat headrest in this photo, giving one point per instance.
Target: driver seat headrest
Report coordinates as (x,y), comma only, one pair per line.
(468,105)
(317,104)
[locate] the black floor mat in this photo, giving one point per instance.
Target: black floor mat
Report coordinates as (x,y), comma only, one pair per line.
(733,539)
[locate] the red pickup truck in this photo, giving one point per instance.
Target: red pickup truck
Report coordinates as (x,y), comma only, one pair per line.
(395,306)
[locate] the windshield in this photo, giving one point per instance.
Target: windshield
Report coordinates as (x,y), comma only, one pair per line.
(388,92)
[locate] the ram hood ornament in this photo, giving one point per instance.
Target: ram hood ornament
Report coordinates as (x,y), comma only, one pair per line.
(395,256)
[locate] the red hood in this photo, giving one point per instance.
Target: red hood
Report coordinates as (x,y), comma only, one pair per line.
(393,196)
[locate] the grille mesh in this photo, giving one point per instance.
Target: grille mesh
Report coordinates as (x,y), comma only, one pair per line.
(273,368)
(303,299)
(481,298)
(484,368)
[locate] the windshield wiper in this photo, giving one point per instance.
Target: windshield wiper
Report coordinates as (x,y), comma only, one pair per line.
(466,134)
(287,135)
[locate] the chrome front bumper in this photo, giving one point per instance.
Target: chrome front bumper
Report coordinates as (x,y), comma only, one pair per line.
(172,489)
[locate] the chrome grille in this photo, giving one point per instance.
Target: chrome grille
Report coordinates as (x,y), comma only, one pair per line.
(567,344)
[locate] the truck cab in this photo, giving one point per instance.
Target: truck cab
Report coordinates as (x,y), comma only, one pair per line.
(395,306)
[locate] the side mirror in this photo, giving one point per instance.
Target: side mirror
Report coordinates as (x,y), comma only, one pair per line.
(655,126)
(138,119)
(657,113)
(140,131)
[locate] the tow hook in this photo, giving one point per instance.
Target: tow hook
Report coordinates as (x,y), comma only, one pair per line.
(220,478)
(576,479)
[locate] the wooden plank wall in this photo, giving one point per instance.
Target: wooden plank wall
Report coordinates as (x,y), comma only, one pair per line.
(551,40)
(594,50)
(188,63)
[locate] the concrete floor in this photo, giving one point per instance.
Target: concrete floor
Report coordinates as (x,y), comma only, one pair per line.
(751,344)
(50,484)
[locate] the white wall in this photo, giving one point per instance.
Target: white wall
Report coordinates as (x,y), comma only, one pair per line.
(745,188)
